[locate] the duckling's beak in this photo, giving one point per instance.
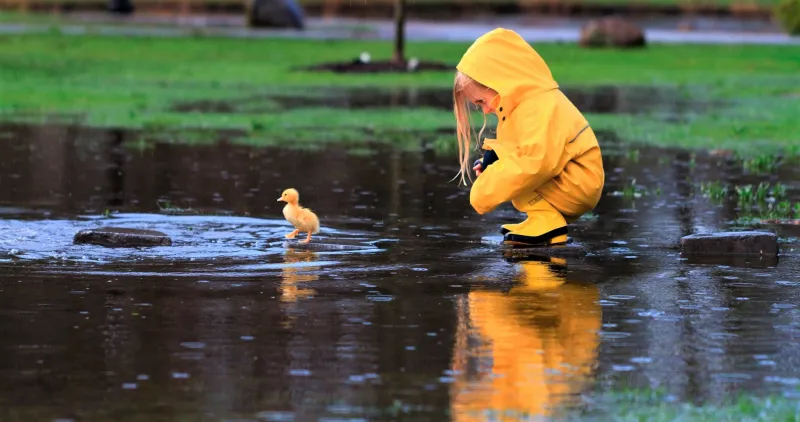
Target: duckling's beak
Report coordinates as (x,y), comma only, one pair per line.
(279,199)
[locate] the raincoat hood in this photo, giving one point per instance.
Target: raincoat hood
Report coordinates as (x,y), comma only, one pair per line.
(503,61)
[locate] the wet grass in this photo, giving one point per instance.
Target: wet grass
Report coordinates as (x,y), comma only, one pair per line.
(657,405)
(136,82)
(764,202)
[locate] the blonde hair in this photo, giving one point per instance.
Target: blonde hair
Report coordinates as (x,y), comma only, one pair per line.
(462,107)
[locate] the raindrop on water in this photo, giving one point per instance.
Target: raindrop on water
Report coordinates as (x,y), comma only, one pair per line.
(193,345)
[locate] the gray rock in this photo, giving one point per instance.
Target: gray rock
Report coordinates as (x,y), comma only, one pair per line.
(121,237)
(274,14)
(611,32)
(730,243)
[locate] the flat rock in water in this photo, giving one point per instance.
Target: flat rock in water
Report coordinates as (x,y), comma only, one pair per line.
(121,237)
(730,243)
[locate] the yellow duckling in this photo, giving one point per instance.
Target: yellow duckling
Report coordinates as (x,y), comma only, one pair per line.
(303,219)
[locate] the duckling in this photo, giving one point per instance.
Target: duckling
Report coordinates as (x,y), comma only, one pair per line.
(303,219)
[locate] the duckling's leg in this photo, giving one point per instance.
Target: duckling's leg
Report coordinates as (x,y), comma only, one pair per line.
(307,239)
(293,234)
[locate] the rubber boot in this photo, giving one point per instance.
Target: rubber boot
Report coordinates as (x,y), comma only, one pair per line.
(545,225)
(506,228)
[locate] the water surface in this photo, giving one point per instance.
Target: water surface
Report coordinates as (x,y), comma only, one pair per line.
(403,308)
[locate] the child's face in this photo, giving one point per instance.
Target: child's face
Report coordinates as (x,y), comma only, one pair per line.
(481,97)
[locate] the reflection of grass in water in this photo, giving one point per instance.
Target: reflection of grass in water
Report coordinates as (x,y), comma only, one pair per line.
(632,191)
(309,139)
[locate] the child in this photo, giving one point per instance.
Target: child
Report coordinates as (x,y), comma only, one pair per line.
(545,159)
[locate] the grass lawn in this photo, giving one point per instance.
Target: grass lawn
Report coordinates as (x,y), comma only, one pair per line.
(135,82)
(656,406)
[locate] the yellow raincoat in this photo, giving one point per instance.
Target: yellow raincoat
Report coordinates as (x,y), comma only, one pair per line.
(544,144)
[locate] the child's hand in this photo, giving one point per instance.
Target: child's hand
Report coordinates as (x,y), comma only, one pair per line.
(480,164)
(477,168)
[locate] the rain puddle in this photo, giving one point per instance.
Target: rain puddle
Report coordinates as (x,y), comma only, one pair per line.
(596,99)
(402,307)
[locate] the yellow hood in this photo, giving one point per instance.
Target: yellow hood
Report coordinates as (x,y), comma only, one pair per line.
(502,60)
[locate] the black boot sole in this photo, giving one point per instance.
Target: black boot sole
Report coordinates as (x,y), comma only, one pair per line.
(545,239)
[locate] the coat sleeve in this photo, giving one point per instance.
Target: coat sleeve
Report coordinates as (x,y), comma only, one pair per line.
(524,163)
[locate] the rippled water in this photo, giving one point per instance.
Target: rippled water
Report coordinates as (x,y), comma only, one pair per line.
(402,308)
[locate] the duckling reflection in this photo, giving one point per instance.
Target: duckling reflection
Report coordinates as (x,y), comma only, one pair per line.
(293,275)
(526,351)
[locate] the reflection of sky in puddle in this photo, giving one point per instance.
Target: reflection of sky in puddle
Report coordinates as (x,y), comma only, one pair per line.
(215,239)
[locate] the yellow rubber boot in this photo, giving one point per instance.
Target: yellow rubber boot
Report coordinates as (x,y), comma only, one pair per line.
(545,225)
(505,228)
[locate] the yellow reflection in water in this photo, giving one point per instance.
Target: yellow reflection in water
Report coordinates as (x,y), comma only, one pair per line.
(525,352)
(294,275)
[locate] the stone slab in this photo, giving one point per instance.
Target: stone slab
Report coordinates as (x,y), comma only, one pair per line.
(121,237)
(730,243)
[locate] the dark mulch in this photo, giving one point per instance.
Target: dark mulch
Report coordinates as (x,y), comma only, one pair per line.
(356,66)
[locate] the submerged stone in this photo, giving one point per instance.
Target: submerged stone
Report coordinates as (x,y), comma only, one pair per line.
(121,237)
(730,243)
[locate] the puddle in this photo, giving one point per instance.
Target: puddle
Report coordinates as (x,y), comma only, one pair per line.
(399,308)
(600,99)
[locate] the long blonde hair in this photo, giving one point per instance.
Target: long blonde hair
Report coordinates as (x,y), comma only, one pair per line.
(462,107)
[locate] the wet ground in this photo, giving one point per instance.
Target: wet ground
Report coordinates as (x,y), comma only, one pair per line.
(603,99)
(401,309)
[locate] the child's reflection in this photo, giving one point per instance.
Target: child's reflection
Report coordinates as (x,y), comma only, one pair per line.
(528,350)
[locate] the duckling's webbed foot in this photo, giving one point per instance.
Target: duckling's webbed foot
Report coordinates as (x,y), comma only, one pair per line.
(293,234)
(307,239)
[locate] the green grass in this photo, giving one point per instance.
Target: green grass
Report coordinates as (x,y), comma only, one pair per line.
(134,82)
(657,406)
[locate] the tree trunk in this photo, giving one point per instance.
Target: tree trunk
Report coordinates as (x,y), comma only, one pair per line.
(399,31)
(123,7)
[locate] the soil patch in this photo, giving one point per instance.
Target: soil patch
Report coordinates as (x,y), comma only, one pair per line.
(382,66)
